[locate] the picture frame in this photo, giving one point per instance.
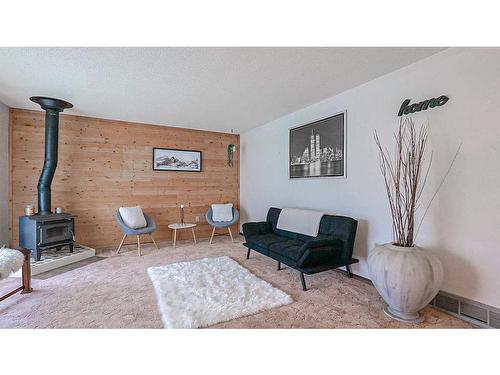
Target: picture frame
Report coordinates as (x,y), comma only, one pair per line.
(176,160)
(325,138)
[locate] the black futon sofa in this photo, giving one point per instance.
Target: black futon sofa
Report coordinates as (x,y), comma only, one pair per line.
(332,247)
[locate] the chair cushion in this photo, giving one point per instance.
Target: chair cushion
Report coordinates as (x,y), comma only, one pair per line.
(292,249)
(133,217)
(266,240)
(222,212)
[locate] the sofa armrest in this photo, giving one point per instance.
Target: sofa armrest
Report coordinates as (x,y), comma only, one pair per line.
(320,243)
(322,252)
(262,227)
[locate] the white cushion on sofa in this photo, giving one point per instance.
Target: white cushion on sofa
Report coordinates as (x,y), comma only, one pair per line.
(133,217)
(222,212)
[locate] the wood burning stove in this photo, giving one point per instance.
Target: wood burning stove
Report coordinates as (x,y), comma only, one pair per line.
(47,230)
(43,232)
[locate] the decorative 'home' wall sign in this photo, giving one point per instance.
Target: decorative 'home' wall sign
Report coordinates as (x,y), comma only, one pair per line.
(407,108)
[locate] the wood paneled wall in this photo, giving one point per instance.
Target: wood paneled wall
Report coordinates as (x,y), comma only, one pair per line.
(105,164)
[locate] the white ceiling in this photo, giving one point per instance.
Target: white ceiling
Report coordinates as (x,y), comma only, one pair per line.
(202,88)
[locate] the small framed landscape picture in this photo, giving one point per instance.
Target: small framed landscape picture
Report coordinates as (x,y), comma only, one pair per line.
(169,159)
(317,149)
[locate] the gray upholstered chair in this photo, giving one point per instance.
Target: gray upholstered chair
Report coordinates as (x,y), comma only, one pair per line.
(222,224)
(148,229)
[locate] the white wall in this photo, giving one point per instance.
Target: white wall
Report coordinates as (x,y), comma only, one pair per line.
(4,174)
(463,224)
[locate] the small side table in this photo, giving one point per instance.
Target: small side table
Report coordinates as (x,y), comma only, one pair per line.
(179,226)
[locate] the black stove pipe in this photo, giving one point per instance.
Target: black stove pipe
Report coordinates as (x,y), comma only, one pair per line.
(52,108)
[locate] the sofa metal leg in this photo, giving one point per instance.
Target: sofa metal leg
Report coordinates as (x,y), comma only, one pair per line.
(349,273)
(279,266)
(248,254)
(303,281)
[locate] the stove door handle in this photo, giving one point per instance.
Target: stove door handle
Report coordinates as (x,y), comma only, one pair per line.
(40,233)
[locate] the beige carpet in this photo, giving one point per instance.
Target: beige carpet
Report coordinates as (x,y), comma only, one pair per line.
(117,293)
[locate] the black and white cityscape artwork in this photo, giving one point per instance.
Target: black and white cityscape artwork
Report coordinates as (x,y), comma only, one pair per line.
(166,159)
(318,149)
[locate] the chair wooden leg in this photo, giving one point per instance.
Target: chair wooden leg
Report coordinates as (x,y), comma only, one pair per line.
(157,248)
(26,272)
(194,235)
(212,237)
(121,244)
(139,245)
(230,234)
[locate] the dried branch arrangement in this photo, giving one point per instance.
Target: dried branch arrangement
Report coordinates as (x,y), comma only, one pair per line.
(405,176)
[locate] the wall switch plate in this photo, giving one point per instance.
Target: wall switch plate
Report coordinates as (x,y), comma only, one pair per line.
(197,219)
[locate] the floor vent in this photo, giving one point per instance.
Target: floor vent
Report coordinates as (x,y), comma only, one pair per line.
(447,303)
(494,319)
(474,312)
(471,311)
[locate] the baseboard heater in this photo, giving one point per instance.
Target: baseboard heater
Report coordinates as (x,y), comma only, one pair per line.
(471,311)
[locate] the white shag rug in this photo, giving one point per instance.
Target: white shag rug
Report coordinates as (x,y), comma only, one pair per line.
(10,261)
(211,290)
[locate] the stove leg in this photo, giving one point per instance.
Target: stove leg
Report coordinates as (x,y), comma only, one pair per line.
(70,247)
(37,255)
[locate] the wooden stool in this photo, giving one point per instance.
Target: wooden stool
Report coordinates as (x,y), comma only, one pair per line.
(26,276)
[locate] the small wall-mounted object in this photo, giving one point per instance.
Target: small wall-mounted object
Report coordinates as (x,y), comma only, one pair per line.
(230,154)
(407,108)
(59,210)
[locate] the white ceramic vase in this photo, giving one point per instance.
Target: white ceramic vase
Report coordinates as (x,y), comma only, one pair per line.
(407,278)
